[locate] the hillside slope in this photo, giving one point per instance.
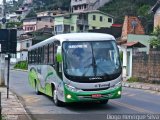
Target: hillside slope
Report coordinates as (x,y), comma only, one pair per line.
(42,5)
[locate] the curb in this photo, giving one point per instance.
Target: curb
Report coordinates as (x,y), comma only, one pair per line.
(143,86)
(22,104)
(17,116)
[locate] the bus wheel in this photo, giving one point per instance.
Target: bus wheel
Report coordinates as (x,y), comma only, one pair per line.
(103,102)
(36,88)
(55,99)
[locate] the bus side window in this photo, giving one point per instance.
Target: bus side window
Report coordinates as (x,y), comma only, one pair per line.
(33,58)
(36,54)
(39,57)
(46,54)
(43,55)
(51,53)
(29,57)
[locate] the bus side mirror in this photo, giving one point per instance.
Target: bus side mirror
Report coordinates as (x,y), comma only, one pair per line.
(57,43)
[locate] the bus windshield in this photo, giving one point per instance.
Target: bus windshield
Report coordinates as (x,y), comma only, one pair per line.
(91,59)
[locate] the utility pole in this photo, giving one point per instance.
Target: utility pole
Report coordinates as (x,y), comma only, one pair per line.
(2,56)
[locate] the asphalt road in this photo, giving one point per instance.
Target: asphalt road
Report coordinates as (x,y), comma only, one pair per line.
(133,101)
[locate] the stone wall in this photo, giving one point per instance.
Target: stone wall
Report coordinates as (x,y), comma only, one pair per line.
(147,66)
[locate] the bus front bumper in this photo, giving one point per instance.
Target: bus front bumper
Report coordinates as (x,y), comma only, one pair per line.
(71,96)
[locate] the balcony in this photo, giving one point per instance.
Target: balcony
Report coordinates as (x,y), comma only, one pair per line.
(82,22)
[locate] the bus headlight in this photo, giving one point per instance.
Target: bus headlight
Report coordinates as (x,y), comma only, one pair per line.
(71,88)
(119,92)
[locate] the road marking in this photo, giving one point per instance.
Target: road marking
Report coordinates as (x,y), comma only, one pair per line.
(129,94)
(138,109)
(30,99)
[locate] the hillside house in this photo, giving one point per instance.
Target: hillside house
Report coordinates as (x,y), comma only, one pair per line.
(85,5)
(36,23)
(81,22)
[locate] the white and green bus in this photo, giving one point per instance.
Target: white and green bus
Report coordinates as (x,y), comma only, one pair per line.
(76,67)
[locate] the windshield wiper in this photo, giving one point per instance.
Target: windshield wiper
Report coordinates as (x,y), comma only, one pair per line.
(94,62)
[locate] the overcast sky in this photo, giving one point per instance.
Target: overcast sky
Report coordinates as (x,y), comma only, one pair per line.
(1,1)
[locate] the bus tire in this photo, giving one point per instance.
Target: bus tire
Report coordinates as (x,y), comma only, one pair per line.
(103,102)
(56,101)
(37,89)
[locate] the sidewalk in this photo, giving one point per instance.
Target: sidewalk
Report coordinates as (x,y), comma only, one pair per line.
(12,109)
(144,86)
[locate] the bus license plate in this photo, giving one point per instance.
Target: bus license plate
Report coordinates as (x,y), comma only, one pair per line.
(96,95)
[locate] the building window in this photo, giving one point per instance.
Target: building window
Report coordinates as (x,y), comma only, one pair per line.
(39,19)
(51,20)
(31,28)
(27,45)
(93,27)
(76,8)
(110,20)
(72,28)
(58,28)
(101,18)
(94,17)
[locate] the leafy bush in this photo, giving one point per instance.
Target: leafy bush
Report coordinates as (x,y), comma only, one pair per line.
(133,79)
(21,65)
(155,42)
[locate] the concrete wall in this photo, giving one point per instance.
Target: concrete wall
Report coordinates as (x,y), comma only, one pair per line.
(22,56)
(147,67)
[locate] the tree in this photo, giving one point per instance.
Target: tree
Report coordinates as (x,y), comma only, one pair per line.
(155,42)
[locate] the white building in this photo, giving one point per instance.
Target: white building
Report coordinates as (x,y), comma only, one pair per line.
(22,47)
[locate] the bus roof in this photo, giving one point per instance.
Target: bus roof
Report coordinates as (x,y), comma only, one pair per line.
(75,37)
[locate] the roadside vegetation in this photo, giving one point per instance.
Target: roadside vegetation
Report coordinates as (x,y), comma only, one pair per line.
(136,79)
(21,65)
(133,79)
(155,42)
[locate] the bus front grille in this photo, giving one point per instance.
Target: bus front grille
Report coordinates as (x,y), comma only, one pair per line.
(97,89)
(105,96)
